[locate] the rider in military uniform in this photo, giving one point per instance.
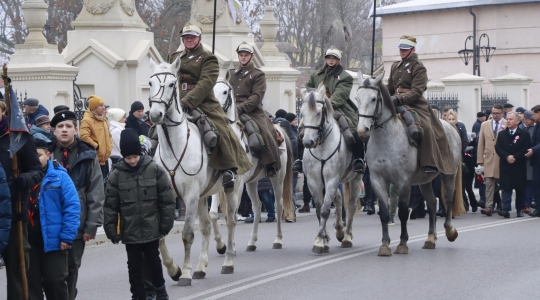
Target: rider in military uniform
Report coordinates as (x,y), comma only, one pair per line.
(249,86)
(338,85)
(197,76)
(407,83)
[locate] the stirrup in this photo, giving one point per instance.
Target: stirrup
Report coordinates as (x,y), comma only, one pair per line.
(358,165)
(297,166)
(271,172)
(228,180)
(430,170)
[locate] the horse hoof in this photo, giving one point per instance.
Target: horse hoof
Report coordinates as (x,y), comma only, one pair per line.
(326,249)
(199,275)
(317,250)
(346,244)
(340,237)
(429,245)
(251,248)
(402,250)
(452,236)
(177,276)
(184,282)
(227,269)
(385,251)
(222,250)
(277,246)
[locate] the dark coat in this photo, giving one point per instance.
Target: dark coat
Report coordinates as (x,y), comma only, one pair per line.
(434,149)
(5,210)
(513,176)
(201,67)
(535,158)
(138,125)
(463,135)
(144,199)
(31,118)
(476,128)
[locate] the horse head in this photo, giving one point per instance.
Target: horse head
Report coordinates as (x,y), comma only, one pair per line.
(163,90)
(316,112)
(224,94)
(372,100)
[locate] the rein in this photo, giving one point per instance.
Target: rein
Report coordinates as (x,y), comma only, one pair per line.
(323,161)
(378,109)
(322,131)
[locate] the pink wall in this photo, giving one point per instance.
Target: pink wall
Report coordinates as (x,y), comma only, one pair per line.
(513,29)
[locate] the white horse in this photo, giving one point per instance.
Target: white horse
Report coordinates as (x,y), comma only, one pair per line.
(182,153)
(282,183)
(327,163)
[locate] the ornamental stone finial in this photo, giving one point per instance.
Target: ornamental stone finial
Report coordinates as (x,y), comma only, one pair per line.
(269,27)
(35,16)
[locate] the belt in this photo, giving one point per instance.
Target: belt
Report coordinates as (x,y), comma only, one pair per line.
(241,99)
(402,90)
(187,86)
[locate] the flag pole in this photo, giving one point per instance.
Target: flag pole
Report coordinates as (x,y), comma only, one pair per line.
(17,196)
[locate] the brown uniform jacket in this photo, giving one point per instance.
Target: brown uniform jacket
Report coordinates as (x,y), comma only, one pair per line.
(486,148)
(200,67)
(412,75)
(249,86)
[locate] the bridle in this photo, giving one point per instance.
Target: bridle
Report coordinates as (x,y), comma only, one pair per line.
(228,102)
(322,130)
(160,92)
(378,109)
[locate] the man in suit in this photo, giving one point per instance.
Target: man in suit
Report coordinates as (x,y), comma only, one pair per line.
(487,156)
(534,154)
(528,125)
(511,146)
(481,117)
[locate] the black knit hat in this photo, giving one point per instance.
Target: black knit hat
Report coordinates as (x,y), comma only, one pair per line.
(290,117)
(137,105)
(129,143)
(63,116)
(481,114)
(41,144)
(281,113)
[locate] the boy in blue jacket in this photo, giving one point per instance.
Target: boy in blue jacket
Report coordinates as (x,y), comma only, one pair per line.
(54,211)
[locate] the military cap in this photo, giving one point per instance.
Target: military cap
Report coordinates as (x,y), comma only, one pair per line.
(508,105)
(333,52)
(191,30)
(407,42)
(42,120)
(63,116)
(528,115)
(520,109)
(245,47)
(60,108)
(41,144)
(31,102)
(481,114)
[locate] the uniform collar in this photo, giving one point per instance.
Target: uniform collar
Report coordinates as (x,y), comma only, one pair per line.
(193,54)
(245,69)
(410,60)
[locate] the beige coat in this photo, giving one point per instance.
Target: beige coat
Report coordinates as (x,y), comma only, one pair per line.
(486,148)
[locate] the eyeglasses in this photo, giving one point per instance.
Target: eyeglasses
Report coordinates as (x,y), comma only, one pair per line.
(496,113)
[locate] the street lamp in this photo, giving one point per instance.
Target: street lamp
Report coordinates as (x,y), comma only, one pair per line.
(487,51)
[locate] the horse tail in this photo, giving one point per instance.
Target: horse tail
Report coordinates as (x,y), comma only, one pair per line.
(288,206)
(223,204)
(459,208)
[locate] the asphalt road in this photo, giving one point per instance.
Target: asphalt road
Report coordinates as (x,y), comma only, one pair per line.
(493,258)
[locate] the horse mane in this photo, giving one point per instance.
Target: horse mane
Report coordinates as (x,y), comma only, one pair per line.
(386,98)
(312,102)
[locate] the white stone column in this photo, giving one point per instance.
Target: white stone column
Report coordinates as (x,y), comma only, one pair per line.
(515,86)
(469,90)
(36,67)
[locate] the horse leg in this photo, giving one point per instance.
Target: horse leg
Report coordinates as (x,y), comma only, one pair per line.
(232,207)
(380,186)
(188,236)
(449,185)
(172,269)
(431,202)
(404,199)
(220,245)
(352,190)
(338,225)
(251,188)
(278,196)
(321,242)
(204,226)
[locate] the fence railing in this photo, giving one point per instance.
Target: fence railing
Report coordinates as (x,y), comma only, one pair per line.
(490,99)
(443,100)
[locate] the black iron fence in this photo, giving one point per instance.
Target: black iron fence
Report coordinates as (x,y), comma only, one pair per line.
(80,103)
(490,99)
(298,106)
(443,100)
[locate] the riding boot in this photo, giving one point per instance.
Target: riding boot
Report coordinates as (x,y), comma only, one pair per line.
(229,178)
(412,125)
(358,156)
(297,166)
(270,171)
(345,128)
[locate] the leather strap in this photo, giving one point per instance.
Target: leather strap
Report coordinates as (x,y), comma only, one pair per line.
(187,86)
(401,90)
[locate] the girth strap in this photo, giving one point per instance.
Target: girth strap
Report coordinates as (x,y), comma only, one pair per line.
(323,161)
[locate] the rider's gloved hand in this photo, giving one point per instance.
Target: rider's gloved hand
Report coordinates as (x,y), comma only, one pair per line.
(184,106)
(240,110)
(395,100)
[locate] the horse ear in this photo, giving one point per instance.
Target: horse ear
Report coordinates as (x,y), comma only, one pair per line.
(379,78)
(321,89)
(153,65)
(176,65)
(227,76)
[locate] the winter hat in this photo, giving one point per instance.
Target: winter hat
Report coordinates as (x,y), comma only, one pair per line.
(116,114)
(481,114)
(137,105)
(281,113)
(290,117)
(60,108)
(508,105)
(129,143)
(31,102)
(94,101)
(41,144)
(42,120)
(528,115)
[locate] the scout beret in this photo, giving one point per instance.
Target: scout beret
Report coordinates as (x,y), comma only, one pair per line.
(245,47)
(60,108)
(31,102)
(480,114)
(42,120)
(528,115)
(334,52)
(520,109)
(508,105)
(63,116)
(191,30)
(407,42)
(41,144)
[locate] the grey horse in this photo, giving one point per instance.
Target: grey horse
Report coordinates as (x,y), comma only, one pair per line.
(392,160)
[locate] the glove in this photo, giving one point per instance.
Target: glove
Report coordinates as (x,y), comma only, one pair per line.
(185,107)
(17,183)
(116,239)
(469,149)
(240,110)
(395,100)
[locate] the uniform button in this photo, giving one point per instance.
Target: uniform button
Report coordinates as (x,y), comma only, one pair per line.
(238,87)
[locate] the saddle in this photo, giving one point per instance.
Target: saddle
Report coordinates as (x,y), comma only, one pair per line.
(414,128)
(209,131)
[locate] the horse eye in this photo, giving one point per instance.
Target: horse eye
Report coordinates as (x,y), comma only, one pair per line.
(373,99)
(224,92)
(171,85)
(150,83)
